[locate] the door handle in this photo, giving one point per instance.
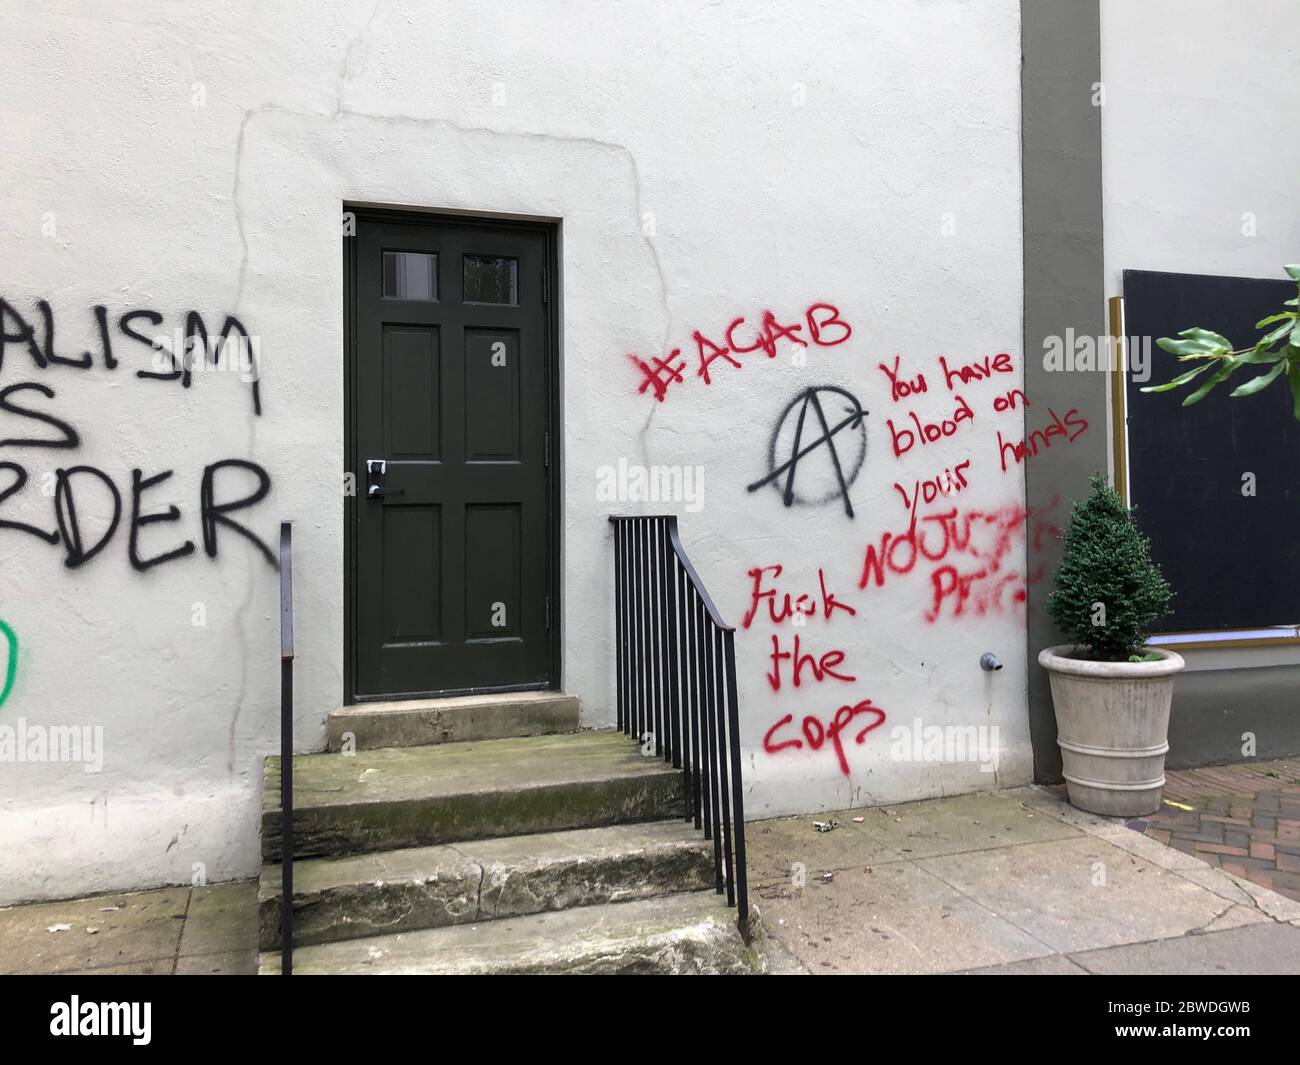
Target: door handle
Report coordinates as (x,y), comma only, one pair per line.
(375,471)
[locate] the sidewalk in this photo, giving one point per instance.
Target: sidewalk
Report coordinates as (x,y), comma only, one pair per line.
(1011,882)
(1243,818)
(179,931)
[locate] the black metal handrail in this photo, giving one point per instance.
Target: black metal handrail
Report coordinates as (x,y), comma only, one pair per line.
(675,673)
(286,748)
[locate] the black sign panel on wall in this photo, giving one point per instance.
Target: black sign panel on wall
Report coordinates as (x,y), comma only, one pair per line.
(1217,484)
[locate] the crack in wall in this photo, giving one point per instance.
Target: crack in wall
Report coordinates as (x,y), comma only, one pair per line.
(350,52)
(455,127)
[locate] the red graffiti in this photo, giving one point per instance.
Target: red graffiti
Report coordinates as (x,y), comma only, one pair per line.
(769,333)
(928,432)
(829,318)
(1070,427)
(979,592)
(978,370)
(815,733)
(984,535)
(821,323)
(903,389)
(661,374)
(950,482)
(706,358)
(1042,530)
(982,540)
(804,605)
(1008,400)
(821,668)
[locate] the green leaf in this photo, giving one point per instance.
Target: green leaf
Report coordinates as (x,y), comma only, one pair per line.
(1262,381)
(1274,318)
(1293,375)
(1292,271)
(1182,347)
(1275,334)
(1259,356)
(1222,375)
(1196,341)
(1207,335)
(1181,379)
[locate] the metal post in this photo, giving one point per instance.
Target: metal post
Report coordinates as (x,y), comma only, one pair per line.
(738,801)
(286,749)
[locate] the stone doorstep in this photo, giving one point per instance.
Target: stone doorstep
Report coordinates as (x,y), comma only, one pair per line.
(432,887)
(396,798)
(676,934)
(460,719)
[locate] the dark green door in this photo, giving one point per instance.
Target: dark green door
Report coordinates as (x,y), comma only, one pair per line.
(452,397)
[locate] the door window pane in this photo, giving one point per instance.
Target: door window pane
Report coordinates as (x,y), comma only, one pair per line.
(410,275)
(490,279)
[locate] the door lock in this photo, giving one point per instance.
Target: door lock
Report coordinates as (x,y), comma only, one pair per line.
(376,469)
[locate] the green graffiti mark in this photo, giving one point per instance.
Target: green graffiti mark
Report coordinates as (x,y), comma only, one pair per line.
(11,670)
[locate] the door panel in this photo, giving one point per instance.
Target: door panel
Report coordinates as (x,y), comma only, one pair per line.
(493,588)
(412,373)
(453,536)
(492,425)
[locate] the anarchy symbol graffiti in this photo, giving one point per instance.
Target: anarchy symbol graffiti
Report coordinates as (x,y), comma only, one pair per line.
(829,456)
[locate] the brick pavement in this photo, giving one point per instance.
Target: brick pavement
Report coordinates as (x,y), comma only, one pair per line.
(1243,818)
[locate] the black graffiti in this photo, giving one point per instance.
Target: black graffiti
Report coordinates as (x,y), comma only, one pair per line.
(128,320)
(84,539)
(232,338)
(25,335)
(15,329)
(139,485)
(215,514)
(69,436)
(798,451)
(65,510)
(54,359)
(20,479)
(82,530)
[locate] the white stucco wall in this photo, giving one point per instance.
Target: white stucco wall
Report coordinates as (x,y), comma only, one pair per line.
(705,163)
(1199,156)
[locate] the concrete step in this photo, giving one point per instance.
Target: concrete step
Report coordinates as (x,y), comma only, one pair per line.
(676,934)
(416,722)
(484,880)
(393,798)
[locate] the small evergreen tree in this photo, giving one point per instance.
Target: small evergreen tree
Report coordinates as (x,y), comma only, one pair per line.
(1108,592)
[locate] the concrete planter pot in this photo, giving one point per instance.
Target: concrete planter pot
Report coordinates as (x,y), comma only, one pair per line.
(1112,724)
